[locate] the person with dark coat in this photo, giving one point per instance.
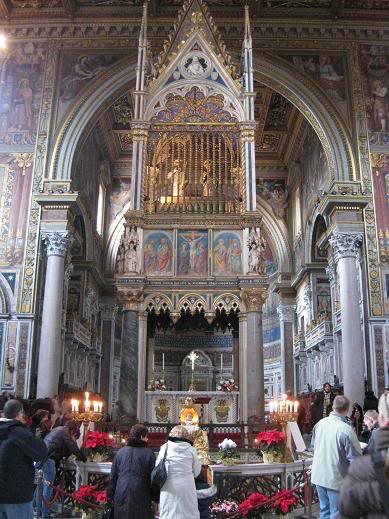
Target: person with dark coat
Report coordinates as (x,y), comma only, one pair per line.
(130,482)
(205,496)
(360,494)
(370,402)
(40,423)
(19,449)
(61,443)
(357,418)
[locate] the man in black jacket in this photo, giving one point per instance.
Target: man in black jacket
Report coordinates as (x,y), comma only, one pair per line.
(19,448)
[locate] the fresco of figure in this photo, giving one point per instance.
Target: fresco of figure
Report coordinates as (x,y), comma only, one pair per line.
(220,257)
(234,257)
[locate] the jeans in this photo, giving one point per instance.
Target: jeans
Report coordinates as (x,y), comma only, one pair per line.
(49,475)
(328,502)
(17,511)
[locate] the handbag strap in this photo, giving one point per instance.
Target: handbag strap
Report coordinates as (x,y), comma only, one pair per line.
(378,459)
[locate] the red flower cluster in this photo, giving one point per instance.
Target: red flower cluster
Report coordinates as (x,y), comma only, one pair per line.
(252,502)
(89,493)
(271,438)
(284,502)
(97,439)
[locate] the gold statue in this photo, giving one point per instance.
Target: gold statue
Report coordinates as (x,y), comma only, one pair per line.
(189,419)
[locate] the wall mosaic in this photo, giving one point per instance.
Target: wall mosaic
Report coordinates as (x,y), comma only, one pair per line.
(20,92)
(375,64)
(227,253)
(329,71)
(15,188)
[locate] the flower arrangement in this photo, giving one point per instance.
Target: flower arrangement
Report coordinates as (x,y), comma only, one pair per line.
(157,385)
(256,504)
(228,452)
(271,444)
(98,446)
(220,508)
(92,502)
(227,385)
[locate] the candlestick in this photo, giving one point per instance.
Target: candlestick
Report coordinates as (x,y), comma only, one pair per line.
(232,363)
(163,362)
(153,363)
(95,406)
(221,362)
(296,406)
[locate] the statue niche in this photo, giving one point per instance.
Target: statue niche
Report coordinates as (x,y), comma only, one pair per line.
(127,256)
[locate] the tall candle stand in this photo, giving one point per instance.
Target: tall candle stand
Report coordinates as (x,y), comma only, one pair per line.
(282,412)
(92,412)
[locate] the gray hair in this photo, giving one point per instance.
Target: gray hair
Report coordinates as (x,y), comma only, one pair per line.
(341,404)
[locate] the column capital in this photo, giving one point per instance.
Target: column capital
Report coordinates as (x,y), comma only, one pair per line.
(286,311)
(346,245)
(254,298)
(57,243)
(130,298)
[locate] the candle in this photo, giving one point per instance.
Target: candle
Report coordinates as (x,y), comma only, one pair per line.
(296,406)
(95,406)
(275,406)
(271,407)
(232,363)
(153,362)
(87,402)
(76,405)
(163,362)
(100,407)
(221,362)
(73,405)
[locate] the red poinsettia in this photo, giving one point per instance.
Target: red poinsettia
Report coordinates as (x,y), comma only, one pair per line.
(96,439)
(283,502)
(270,440)
(101,497)
(252,502)
(85,493)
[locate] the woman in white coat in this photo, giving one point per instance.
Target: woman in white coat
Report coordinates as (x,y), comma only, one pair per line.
(178,498)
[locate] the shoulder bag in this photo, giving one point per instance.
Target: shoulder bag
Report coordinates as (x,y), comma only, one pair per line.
(159,473)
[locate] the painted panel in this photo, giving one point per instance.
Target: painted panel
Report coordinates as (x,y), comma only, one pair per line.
(380,165)
(158,253)
(192,253)
(15,188)
(118,196)
(21,91)
(375,64)
(275,193)
(329,72)
(227,253)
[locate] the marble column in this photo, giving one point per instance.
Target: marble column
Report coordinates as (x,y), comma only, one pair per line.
(142,355)
(346,248)
(108,317)
(252,356)
(286,314)
(50,349)
(243,365)
(129,365)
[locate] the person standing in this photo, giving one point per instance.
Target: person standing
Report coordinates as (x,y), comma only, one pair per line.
(19,449)
(335,446)
(130,482)
(178,494)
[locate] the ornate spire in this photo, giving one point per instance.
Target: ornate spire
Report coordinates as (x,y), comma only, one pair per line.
(193,17)
(142,67)
(247,61)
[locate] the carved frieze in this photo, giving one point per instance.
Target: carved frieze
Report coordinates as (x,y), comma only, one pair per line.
(346,245)
(57,243)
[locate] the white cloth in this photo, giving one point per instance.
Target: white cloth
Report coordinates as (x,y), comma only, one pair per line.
(178,495)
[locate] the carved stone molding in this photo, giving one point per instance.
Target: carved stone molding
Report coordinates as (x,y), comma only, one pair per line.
(108,311)
(331,274)
(286,311)
(254,298)
(57,243)
(346,245)
(130,299)
(307,297)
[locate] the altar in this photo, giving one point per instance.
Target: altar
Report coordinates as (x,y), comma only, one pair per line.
(217,407)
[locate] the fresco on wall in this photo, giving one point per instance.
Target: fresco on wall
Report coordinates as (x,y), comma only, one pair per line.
(77,71)
(227,253)
(275,193)
(375,64)
(15,185)
(192,253)
(315,172)
(270,264)
(119,195)
(328,71)
(20,93)
(380,166)
(158,253)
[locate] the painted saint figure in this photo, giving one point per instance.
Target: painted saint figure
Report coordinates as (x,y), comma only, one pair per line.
(164,256)
(220,257)
(234,257)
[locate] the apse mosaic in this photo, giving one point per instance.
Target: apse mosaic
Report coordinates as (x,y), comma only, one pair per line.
(158,253)
(192,253)
(227,253)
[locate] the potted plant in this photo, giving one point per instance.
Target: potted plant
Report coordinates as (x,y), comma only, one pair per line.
(221,508)
(98,446)
(157,385)
(91,502)
(271,444)
(254,506)
(228,452)
(284,502)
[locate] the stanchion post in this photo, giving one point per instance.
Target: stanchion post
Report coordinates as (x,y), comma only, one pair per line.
(40,493)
